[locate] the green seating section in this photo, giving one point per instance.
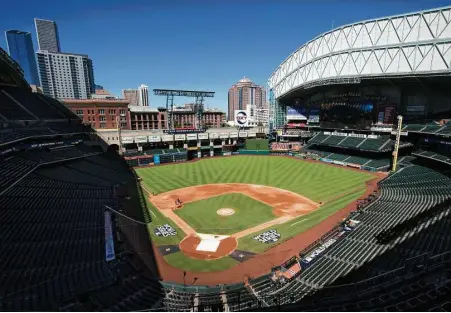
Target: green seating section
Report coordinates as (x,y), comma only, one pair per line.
(333,140)
(375,144)
(433,155)
(337,156)
(368,144)
(352,142)
(378,163)
(357,160)
(318,138)
(413,127)
(431,128)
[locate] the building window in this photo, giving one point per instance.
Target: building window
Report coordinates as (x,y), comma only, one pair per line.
(101,111)
(102,125)
(112,112)
(122,112)
(79,112)
(102,118)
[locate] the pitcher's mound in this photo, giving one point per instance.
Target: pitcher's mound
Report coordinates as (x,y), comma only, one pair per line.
(225,212)
(208,247)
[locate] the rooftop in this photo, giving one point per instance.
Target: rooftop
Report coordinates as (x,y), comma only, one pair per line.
(96,101)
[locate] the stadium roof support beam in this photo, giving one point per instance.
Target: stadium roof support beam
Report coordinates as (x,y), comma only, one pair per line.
(198,106)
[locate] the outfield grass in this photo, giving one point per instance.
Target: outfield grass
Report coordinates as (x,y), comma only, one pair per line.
(317,181)
(336,187)
(201,215)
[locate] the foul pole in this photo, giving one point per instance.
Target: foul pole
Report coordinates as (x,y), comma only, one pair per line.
(398,136)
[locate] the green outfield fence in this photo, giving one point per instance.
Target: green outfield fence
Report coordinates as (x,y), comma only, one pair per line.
(257,144)
(254,152)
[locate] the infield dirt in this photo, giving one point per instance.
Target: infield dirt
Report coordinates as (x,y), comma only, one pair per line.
(286,205)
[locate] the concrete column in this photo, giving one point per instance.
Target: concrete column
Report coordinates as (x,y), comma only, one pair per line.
(171,145)
(223,142)
(185,146)
(211,143)
(198,143)
(140,148)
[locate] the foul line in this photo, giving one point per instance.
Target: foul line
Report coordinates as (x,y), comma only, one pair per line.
(148,193)
(305,219)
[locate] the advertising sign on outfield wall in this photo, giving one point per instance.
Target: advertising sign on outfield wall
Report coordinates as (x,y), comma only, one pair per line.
(180,137)
(233,135)
(202,136)
(252,134)
(224,135)
(154,138)
(141,139)
(242,134)
(167,138)
(127,139)
(191,136)
(214,135)
(241,118)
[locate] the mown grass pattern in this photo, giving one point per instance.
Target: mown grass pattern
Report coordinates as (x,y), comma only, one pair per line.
(317,181)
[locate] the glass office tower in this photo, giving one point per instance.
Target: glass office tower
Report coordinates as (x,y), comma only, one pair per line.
(20,48)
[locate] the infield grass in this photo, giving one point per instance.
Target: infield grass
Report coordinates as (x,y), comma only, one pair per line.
(201,215)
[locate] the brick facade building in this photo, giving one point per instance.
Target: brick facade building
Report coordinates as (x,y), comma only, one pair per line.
(101,113)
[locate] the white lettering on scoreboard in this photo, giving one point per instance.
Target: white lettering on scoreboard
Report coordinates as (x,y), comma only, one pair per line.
(202,136)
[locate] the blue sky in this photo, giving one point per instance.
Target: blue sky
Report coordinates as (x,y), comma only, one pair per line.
(192,44)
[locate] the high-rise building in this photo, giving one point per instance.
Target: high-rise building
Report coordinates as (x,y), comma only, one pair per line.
(143,94)
(245,95)
(20,48)
(131,95)
(47,33)
(66,75)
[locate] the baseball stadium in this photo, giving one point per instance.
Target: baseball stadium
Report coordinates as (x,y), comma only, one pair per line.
(343,203)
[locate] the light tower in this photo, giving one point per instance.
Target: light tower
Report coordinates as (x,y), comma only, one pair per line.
(398,137)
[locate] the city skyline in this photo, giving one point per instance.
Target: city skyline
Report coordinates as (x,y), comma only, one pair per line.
(62,75)
(181,52)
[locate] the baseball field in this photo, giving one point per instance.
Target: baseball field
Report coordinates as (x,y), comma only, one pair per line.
(214,214)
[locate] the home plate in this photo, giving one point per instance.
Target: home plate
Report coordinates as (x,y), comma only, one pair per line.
(209,243)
